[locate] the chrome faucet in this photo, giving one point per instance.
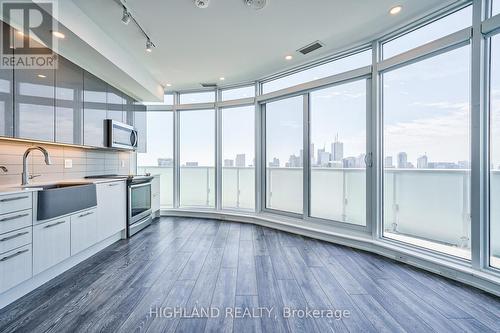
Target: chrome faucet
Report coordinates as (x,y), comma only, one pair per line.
(4,169)
(25,176)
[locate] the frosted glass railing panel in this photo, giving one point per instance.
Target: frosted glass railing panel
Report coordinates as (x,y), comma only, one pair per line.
(355,203)
(284,189)
(197,187)
(238,188)
(166,183)
(429,204)
(339,194)
(326,198)
(495,215)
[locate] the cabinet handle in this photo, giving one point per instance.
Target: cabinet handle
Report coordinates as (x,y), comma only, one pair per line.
(5,219)
(14,236)
(86,214)
(53,224)
(13,199)
(114,184)
(13,255)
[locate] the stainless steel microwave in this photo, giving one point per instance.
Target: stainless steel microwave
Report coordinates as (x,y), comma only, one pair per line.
(121,135)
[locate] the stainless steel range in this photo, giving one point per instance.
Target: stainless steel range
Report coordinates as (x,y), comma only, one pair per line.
(139,214)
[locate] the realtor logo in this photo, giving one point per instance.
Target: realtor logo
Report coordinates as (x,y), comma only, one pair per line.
(29,42)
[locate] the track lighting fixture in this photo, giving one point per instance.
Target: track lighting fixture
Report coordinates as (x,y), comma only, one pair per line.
(125,16)
(149,45)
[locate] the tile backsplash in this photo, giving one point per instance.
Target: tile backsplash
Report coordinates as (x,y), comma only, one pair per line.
(85,162)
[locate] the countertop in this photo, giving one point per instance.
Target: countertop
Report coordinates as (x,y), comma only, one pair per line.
(14,188)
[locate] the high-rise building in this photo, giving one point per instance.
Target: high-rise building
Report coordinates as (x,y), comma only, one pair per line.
(422,162)
(240,160)
(337,149)
(191,164)
(323,158)
(349,162)
(388,162)
(165,162)
(294,161)
(228,163)
(275,163)
(402,160)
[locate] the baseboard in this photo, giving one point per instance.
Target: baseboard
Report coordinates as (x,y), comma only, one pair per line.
(36,281)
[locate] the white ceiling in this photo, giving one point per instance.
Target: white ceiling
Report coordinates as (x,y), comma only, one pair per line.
(231,40)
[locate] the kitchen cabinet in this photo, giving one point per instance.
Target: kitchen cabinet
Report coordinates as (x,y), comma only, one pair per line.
(69,102)
(114,104)
(94,111)
(6,95)
(128,109)
(83,231)
(15,267)
(111,208)
(34,105)
(155,194)
(51,243)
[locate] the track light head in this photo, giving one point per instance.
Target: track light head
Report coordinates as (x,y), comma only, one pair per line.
(149,46)
(126,16)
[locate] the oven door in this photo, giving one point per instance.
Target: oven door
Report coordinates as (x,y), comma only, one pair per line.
(139,206)
(121,135)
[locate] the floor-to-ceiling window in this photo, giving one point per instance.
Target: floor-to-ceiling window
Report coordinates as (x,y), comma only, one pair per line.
(337,153)
(284,154)
(496,7)
(238,158)
(159,155)
(427,153)
(495,153)
(197,158)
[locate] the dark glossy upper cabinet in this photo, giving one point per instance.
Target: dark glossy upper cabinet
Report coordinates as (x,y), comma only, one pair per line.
(69,102)
(94,111)
(34,93)
(115,104)
(6,95)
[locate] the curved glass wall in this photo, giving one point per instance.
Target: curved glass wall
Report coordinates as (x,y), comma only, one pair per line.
(381,151)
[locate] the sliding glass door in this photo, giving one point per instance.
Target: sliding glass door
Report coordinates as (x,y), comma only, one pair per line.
(284,154)
(426,112)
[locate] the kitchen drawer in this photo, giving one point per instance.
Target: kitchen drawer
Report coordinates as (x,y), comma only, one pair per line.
(51,243)
(14,221)
(15,239)
(15,267)
(15,202)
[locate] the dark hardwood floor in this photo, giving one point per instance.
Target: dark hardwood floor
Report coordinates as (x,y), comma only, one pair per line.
(195,265)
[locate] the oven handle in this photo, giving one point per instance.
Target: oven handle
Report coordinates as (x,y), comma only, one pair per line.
(140,185)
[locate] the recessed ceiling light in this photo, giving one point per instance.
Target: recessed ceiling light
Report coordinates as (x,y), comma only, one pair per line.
(222,78)
(41,76)
(20,33)
(58,34)
(288,57)
(395,10)
(168,85)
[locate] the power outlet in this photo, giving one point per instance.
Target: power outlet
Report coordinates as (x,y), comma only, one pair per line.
(68,164)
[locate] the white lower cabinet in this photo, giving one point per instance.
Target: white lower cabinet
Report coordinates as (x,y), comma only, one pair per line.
(111,208)
(15,267)
(83,230)
(51,243)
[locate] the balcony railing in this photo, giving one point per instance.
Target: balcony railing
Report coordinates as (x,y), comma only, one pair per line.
(428,204)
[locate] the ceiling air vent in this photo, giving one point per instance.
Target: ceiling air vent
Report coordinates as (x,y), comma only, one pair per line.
(311,47)
(209,85)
